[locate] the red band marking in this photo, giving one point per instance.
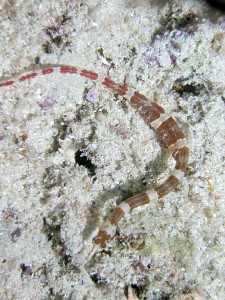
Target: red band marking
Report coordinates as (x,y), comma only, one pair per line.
(70,70)
(7,83)
(109,83)
(120,89)
(47,71)
(137,96)
(28,76)
(89,74)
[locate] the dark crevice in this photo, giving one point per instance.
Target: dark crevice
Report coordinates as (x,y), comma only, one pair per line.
(219,4)
(97,279)
(53,234)
(82,160)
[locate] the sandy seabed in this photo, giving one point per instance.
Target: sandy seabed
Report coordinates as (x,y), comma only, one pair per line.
(70,150)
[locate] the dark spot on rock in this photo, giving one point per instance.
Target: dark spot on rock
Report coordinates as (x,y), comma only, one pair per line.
(82,160)
(192,88)
(16,234)
(61,126)
(132,52)
(26,270)
(44,200)
(47,47)
(162,295)
(100,51)
(57,40)
(51,177)
(186,23)
(97,279)
(165,296)
(37,60)
(56,296)
(83,111)
(57,34)
(138,290)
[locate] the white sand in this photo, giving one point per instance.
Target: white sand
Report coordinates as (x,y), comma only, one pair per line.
(51,208)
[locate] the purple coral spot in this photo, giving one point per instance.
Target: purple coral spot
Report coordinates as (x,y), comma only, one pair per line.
(9,213)
(92,95)
(151,59)
(16,234)
(47,104)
